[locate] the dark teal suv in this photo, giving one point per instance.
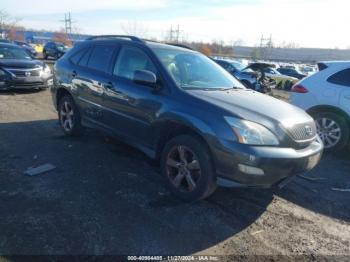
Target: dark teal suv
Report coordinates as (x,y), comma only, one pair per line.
(180,107)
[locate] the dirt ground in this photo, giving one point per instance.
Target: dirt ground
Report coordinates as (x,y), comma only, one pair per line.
(104,197)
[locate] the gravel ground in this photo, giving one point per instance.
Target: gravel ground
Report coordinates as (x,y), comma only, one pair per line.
(104,197)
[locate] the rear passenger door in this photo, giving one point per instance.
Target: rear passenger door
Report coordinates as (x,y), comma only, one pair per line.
(92,78)
(132,107)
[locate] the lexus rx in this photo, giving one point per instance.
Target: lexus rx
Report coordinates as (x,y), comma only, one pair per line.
(180,107)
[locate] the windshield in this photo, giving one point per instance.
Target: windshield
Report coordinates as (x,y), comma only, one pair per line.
(238,65)
(13,53)
(191,70)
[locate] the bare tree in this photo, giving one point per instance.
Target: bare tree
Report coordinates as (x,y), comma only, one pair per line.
(62,37)
(9,24)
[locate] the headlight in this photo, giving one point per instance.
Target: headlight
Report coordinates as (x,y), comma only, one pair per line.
(251,133)
(47,69)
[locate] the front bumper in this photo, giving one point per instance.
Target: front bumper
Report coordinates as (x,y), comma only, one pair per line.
(26,83)
(275,164)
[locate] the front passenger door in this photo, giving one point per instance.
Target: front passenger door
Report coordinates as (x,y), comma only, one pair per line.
(132,107)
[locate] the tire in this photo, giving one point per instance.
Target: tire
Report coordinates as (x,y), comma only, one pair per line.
(338,127)
(193,180)
(45,55)
(69,117)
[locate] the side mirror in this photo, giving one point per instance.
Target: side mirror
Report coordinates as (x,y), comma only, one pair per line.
(146,78)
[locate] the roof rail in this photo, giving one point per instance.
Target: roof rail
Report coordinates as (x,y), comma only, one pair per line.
(132,38)
(180,45)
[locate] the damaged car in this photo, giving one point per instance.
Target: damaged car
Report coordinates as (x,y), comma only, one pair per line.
(181,108)
(19,70)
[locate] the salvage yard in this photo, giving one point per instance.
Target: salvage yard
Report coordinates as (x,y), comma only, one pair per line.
(104,197)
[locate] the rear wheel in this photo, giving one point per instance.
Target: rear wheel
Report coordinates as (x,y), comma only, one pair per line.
(69,116)
(188,169)
(333,130)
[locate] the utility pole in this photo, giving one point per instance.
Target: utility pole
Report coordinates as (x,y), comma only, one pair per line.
(174,34)
(67,23)
(265,45)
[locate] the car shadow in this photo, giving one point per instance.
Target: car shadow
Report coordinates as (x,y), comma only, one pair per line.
(104,197)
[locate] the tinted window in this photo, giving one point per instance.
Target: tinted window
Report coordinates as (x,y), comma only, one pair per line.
(341,78)
(223,64)
(85,58)
(75,58)
(100,58)
(131,59)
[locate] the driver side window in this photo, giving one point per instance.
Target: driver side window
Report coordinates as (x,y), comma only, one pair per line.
(131,59)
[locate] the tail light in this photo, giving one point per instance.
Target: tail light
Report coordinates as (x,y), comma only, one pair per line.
(299,89)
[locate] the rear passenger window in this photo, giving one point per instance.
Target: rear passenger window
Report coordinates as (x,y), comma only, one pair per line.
(341,78)
(85,58)
(100,58)
(75,58)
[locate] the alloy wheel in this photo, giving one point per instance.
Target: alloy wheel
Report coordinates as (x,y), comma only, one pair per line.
(67,116)
(183,168)
(329,131)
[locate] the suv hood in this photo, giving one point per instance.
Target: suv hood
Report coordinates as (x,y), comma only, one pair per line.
(14,63)
(254,106)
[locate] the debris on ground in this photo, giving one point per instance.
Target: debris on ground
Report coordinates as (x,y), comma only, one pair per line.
(33,171)
(257,232)
(341,189)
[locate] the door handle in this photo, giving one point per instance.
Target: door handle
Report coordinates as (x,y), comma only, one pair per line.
(108,85)
(74,74)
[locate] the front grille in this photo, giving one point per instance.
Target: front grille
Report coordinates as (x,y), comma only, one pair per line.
(24,72)
(303,132)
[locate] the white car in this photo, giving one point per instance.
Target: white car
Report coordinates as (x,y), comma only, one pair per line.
(326,97)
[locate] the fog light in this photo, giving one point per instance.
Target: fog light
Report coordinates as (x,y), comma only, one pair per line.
(250,170)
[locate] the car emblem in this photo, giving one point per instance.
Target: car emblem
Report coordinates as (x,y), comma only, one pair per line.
(27,73)
(308,130)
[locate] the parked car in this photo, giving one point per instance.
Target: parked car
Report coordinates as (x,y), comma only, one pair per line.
(282,81)
(235,68)
(54,50)
(308,70)
(291,72)
(19,70)
(5,41)
(326,96)
(178,106)
(31,51)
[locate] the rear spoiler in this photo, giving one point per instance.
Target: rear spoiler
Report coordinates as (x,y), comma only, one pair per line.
(321,66)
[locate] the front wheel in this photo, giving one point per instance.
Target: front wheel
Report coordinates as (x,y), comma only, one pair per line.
(333,130)
(187,166)
(69,116)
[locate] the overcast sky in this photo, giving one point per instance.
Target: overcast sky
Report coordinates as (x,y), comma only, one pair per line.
(309,23)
